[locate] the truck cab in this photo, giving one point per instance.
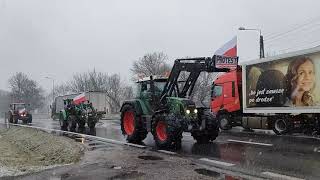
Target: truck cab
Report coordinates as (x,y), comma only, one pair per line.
(226,92)
(226,98)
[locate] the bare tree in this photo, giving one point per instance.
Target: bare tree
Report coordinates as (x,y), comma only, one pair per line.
(116,90)
(4,101)
(90,81)
(26,90)
(150,64)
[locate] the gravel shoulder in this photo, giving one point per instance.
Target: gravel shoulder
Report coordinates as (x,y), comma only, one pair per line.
(26,150)
(121,162)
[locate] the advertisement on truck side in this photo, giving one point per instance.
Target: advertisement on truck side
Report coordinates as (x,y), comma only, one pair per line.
(291,83)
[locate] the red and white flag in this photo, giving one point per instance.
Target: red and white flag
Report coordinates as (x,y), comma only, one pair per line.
(229,49)
(79,99)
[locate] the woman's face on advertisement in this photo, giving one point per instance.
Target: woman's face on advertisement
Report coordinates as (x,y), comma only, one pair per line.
(306,76)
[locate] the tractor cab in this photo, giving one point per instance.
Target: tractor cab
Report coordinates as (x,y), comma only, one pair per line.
(144,86)
(149,90)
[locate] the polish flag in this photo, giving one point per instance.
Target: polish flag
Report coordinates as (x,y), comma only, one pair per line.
(79,99)
(229,49)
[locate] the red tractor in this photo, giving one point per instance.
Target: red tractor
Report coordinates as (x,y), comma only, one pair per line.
(18,111)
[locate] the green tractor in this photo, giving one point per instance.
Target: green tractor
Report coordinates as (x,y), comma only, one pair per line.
(74,115)
(88,116)
(68,116)
(163,108)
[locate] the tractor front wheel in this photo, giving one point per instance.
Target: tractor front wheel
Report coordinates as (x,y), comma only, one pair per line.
(132,125)
(166,132)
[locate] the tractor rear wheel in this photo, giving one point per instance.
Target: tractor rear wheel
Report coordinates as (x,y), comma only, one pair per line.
(10,118)
(63,123)
(15,119)
(72,124)
(132,125)
(82,126)
(166,132)
(29,118)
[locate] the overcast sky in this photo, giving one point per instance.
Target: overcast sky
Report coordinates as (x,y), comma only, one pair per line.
(61,37)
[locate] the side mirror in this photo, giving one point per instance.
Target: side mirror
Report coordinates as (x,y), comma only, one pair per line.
(212,92)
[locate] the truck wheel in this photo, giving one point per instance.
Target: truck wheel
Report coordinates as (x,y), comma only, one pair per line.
(132,125)
(166,132)
(281,126)
(224,122)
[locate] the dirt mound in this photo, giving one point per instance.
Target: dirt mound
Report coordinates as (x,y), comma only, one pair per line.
(28,150)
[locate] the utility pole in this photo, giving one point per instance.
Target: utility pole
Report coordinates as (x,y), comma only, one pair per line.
(261,43)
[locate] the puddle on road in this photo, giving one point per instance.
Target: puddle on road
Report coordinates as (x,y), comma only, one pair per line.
(207,172)
(152,158)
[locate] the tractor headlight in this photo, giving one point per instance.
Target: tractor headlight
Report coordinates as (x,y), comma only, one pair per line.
(188,111)
(195,111)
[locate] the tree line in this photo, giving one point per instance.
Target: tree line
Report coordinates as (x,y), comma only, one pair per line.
(116,87)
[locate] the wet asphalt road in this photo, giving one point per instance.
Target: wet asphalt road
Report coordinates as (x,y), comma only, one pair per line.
(246,152)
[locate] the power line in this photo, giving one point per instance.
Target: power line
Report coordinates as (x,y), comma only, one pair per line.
(293,39)
(303,46)
(295,26)
(291,31)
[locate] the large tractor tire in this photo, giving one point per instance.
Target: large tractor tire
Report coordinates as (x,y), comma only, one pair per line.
(211,131)
(29,118)
(63,123)
(281,126)
(166,132)
(224,122)
(15,119)
(92,126)
(82,126)
(72,123)
(10,118)
(132,125)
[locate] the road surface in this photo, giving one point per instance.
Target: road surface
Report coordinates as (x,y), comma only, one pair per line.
(279,157)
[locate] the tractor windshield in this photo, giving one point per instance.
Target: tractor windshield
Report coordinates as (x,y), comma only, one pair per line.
(159,86)
(19,106)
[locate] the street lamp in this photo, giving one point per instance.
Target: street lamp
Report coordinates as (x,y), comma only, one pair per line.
(261,39)
(47,77)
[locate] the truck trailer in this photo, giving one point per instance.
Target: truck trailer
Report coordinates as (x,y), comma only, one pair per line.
(281,93)
(98,100)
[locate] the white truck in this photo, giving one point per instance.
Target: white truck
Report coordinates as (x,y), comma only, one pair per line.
(98,100)
(280,93)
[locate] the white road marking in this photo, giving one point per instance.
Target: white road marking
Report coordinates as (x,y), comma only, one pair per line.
(83,135)
(135,145)
(216,162)
(280,176)
(167,152)
(249,142)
